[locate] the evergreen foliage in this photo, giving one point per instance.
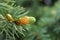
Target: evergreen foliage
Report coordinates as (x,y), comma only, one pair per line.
(46,27)
(10,30)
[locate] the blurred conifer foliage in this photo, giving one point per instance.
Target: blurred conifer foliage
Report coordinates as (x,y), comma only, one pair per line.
(9,15)
(47,13)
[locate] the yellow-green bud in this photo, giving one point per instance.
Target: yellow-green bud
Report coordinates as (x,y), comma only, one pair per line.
(32,20)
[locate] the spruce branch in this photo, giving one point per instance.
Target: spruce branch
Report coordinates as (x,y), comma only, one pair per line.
(10,29)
